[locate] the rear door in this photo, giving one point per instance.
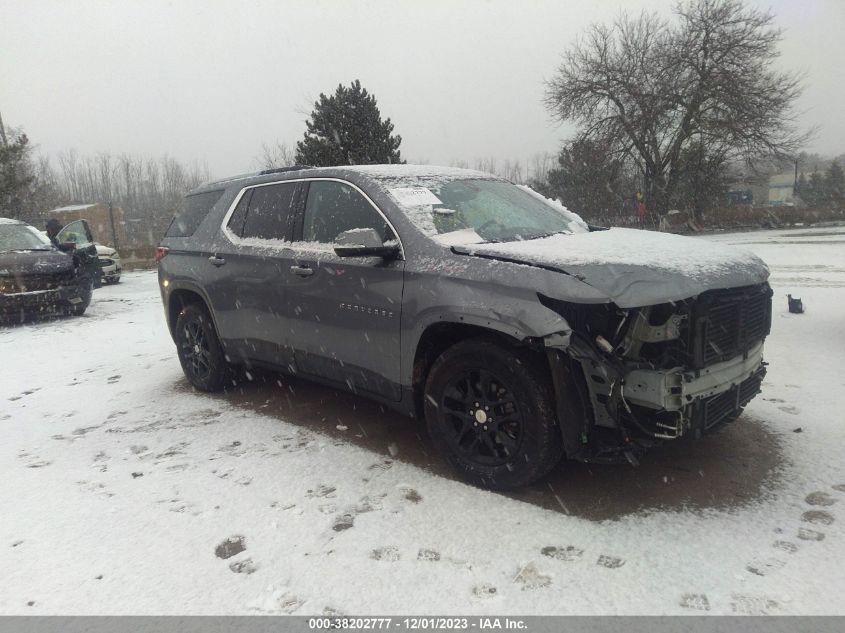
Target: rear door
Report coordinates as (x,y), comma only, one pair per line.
(84,253)
(344,313)
(248,273)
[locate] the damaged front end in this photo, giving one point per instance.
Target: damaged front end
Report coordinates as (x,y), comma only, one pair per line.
(656,373)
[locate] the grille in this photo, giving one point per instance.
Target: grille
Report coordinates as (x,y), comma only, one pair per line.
(30,283)
(719,408)
(727,323)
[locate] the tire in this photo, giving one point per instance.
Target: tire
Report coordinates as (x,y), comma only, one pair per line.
(199,350)
(80,308)
(475,386)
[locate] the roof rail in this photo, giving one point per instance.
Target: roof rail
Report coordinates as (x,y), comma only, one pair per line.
(279,170)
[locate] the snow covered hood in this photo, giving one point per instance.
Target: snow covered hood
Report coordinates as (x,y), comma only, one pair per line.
(16,263)
(634,268)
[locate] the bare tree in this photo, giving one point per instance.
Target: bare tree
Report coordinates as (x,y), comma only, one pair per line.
(277,155)
(149,190)
(655,89)
(539,165)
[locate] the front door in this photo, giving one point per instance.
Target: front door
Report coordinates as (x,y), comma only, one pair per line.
(84,251)
(344,313)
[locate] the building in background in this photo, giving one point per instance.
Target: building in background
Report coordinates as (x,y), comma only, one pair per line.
(107,228)
(782,190)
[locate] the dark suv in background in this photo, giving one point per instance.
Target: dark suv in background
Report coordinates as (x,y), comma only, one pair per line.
(38,279)
(517,331)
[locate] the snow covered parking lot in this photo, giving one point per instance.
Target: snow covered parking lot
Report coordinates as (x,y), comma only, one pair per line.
(125,492)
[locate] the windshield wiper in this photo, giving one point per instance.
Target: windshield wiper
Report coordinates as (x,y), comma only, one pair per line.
(542,235)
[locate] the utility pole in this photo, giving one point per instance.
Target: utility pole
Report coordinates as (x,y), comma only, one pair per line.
(113,231)
(3,133)
(8,201)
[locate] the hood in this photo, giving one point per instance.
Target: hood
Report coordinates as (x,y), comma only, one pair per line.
(634,268)
(16,263)
(105,251)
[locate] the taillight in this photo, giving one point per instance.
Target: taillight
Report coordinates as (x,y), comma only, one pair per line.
(161,253)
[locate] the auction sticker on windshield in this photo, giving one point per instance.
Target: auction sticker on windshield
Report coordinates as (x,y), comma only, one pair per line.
(414,196)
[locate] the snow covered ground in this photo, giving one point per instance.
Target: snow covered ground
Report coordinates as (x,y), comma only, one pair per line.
(122,490)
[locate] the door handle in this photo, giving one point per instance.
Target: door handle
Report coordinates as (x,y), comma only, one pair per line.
(302,271)
(217,260)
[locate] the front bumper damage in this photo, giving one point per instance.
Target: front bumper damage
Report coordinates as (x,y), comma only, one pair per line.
(678,390)
(22,304)
(655,373)
(635,407)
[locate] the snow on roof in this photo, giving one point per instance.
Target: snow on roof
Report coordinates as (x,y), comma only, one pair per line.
(417,171)
(9,221)
(74,207)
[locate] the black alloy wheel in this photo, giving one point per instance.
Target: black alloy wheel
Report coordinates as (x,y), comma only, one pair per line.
(489,408)
(195,350)
(483,420)
(200,351)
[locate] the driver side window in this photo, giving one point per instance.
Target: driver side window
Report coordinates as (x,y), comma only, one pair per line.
(76,232)
(334,207)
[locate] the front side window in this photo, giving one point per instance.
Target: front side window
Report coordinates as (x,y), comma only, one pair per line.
(334,207)
(269,209)
(76,232)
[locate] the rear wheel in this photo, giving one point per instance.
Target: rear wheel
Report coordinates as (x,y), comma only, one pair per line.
(490,411)
(199,349)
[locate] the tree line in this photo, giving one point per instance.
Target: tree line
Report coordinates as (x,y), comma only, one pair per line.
(148,190)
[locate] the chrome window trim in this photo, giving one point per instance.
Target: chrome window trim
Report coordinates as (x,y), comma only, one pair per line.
(239,241)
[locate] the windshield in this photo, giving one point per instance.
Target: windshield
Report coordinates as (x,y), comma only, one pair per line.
(461,211)
(21,237)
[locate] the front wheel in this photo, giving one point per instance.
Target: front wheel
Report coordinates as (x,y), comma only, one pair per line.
(199,349)
(490,411)
(86,295)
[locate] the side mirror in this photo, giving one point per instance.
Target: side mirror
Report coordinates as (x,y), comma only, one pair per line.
(364,243)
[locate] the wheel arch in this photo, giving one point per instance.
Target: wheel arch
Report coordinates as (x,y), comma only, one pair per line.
(439,336)
(181,296)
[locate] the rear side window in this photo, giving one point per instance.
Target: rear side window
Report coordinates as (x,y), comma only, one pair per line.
(268,211)
(193,212)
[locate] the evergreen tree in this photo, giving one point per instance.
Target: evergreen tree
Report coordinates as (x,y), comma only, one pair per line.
(588,179)
(346,129)
(802,188)
(834,183)
(16,175)
(815,190)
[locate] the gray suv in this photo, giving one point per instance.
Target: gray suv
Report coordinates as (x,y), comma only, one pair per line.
(518,332)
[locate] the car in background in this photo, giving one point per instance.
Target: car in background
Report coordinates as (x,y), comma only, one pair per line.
(37,278)
(109,263)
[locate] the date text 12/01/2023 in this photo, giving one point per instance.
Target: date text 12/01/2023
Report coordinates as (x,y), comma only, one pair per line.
(417,623)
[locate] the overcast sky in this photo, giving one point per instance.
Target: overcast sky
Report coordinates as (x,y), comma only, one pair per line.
(213,80)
